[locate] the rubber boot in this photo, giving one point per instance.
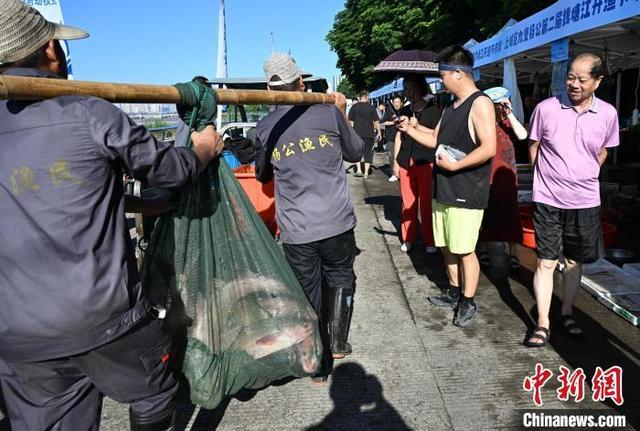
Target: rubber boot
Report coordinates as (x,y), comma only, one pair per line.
(165,423)
(326,361)
(340,312)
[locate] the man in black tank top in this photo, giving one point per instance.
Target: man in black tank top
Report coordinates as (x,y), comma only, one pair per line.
(465,142)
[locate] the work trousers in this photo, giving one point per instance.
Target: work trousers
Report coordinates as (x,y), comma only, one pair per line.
(321,267)
(327,262)
(66,393)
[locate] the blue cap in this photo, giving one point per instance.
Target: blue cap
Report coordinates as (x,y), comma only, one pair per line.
(498,94)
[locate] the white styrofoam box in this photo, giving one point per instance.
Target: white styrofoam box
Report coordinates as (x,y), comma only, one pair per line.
(616,289)
(632,269)
(525,196)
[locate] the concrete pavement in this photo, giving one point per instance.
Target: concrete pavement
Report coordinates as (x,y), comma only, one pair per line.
(411,368)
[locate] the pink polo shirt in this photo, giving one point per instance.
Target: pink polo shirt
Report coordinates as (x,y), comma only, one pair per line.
(566,173)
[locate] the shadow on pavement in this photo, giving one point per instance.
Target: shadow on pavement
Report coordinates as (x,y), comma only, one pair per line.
(358,403)
(392,208)
(210,419)
(429,265)
(205,420)
(498,275)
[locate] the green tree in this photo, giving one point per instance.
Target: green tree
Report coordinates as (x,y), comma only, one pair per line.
(367,31)
(345,87)
(155,123)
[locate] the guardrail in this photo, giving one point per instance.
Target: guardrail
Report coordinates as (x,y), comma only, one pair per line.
(162,133)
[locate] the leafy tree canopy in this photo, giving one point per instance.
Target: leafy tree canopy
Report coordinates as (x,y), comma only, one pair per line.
(367,31)
(345,87)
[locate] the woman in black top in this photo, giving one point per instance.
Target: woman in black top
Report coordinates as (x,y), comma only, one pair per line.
(414,165)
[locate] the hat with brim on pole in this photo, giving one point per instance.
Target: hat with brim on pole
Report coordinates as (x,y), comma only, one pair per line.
(23,30)
(404,62)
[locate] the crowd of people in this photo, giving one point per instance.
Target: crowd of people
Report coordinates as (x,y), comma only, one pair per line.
(74,321)
(458,179)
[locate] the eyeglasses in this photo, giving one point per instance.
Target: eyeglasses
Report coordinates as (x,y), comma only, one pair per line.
(581,79)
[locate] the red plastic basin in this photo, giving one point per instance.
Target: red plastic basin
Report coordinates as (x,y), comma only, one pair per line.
(528,233)
(609,233)
(260,195)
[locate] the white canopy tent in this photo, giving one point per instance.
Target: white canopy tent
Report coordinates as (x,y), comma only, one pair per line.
(608,28)
(618,43)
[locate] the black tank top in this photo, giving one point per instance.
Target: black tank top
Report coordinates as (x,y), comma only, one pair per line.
(468,188)
(409,149)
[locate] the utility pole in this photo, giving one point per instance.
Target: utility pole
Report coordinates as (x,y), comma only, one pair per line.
(221,67)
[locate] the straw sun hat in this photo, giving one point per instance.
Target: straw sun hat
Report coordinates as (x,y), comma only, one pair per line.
(23,31)
(284,67)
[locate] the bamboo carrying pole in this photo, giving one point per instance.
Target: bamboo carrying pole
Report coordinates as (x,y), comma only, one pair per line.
(24,88)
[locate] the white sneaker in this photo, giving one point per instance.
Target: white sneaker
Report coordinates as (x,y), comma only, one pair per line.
(392,179)
(430,250)
(405,247)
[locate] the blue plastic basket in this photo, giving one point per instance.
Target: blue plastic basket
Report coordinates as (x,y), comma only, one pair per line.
(231,159)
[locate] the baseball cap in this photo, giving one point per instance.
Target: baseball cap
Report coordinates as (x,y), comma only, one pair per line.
(281,69)
(23,30)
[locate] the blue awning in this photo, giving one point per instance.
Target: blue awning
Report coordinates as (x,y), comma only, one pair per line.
(390,88)
(396,87)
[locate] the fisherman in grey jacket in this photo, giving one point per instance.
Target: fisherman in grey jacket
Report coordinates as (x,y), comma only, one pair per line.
(74,322)
(303,147)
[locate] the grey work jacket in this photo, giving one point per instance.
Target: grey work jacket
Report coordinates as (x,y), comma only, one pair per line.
(303,147)
(68,280)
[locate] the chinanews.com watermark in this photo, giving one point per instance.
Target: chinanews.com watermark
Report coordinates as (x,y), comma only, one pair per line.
(549,419)
(605,385)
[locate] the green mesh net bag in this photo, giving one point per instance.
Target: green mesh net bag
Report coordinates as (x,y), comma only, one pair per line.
(227,286)
(241,317)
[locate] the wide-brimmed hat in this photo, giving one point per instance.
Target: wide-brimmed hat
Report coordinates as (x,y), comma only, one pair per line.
(281,69)
(410,61)
(23,30)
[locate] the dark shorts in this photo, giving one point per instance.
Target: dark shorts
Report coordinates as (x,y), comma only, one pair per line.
(367,156)
(574,233)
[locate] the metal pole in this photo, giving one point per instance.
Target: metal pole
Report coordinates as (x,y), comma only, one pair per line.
(618,95)
(221,67)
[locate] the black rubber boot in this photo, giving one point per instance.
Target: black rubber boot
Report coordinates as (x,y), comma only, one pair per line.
(340,312)
(164,423)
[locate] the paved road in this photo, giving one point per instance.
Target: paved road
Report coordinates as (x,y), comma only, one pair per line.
(411,368)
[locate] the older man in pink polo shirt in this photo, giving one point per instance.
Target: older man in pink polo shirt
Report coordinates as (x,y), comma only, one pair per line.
(569,138)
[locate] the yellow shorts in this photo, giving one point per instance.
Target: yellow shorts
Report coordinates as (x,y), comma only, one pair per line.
(456,228)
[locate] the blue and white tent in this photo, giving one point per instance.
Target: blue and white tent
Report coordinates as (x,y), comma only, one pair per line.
(395,87)
(538,47)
